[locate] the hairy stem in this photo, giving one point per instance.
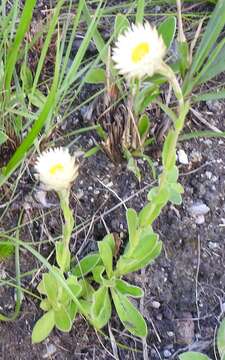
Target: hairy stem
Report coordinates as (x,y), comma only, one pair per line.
(67,227)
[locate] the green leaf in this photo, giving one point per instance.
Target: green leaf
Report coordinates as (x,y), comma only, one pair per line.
(6,250)
(133,167)
(121,24)
(72,311)
(37,98)
(50,287)
(106,253)
(130,317)
(183,51)
(132,223)
(192,355)
(147,249)
(168,158)
(62,319)
(158,197)
(143,126)
(172,174)
(62,256)
(43,327)
(87,289)
(45,305)
(167,30)
(220,340)
(101,308)
(92,151)
(86,265)
(97,274)
(74,285)
(146,96)
(175,197)
(127,289)
(26,77)
(149,213)
(95,76)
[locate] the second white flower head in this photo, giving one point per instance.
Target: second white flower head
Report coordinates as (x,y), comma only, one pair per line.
(56,169)
(139,51)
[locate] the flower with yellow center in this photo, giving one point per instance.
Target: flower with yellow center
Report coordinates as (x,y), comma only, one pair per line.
(56,169)
(139,51)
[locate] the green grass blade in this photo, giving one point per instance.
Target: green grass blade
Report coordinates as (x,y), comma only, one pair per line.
(18,282)
(213,30)
(214,66)
(98,39)
(39,123)
(48,266)
(71,75)
(71,39)
(201,134)
(140,11)
(47,42)
(211,95)
(14,50)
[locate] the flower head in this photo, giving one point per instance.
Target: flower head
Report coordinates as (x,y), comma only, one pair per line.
(56,169)
(139,51)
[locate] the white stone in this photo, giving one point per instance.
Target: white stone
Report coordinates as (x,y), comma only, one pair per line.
(182,157)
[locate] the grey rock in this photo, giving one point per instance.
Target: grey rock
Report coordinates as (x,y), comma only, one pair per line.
(167,353)
(198,209)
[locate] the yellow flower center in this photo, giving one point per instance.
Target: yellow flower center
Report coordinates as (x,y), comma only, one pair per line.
(139,52)
(56,168)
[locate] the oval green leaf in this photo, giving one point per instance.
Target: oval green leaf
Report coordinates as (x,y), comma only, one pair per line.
(43,327)
(130,317)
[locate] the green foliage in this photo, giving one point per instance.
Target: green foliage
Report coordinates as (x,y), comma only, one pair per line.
(130,317)
(167,30)
(96,76)
(121,24)
(192,355)
(208,60)
(86,265)
(220,341)
(59,306)
(6,250)
(140,11)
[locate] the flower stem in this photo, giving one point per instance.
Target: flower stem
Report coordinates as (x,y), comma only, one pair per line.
(64,253)
(166,71)
(152,210)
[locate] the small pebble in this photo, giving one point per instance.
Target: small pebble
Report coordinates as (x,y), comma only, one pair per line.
(182,157)
(200,219)
(208,174)
(155,304)
(167,353)
(198,209)
(213,245)
(196,156)
(170,333)
(51,349)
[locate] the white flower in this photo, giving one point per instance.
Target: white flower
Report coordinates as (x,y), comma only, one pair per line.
(56,169)
(139,51)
